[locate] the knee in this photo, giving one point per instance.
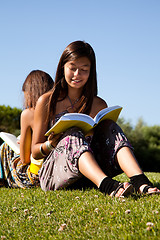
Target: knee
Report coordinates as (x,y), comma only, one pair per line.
(110,126)
(107,129)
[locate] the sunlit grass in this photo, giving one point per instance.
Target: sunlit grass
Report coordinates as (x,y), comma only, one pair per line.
(77,214)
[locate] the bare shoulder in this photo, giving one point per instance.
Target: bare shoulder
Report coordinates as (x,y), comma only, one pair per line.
(43,100)
(27,114)
(98,104)
(41,113)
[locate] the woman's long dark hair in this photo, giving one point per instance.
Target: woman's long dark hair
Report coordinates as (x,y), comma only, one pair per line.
(72,52)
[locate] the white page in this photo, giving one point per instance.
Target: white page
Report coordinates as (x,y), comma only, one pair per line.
(103,112)
(11,140)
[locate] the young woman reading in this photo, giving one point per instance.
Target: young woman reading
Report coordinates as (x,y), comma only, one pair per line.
(71,155)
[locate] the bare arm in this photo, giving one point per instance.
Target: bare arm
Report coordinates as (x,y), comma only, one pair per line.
(26,135)
(40,125)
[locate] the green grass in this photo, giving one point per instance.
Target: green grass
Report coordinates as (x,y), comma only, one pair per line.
(34,214)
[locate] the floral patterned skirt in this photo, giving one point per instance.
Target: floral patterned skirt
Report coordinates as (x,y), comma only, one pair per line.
(60,168)
(15,173)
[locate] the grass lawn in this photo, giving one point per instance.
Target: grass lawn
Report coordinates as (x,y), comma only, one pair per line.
(76,214)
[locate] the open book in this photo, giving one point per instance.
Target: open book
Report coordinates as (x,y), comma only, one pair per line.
(83,121)
(11,140)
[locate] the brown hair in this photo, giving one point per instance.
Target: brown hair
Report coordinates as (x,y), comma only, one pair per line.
(72,52)
(36,83)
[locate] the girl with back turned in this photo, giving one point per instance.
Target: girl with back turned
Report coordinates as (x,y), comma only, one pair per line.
(22,170)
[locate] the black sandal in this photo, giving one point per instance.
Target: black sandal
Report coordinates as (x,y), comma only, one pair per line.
(127,191)
(138,180)
(111,187)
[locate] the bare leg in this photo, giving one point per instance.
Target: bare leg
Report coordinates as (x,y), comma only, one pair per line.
(90,169)
(128,162)
(130,166)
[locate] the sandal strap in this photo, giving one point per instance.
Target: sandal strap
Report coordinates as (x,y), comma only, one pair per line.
(121,185)
(145,189)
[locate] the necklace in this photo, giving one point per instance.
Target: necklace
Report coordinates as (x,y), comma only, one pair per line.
(72,104)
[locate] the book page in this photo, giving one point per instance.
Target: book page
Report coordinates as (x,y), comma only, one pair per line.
(79,117)
(11,140)
(108,113)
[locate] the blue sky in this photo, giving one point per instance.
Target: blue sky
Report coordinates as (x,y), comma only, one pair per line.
(125,35)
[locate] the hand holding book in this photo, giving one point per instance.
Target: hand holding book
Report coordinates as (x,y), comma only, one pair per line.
(54,138)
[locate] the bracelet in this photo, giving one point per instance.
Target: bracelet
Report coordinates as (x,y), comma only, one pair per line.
(41,151)
(49,146)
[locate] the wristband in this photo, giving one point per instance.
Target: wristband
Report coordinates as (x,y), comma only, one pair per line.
(41,151)
(49,146)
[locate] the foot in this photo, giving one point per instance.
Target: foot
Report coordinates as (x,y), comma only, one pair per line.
(146,189)
(123,189)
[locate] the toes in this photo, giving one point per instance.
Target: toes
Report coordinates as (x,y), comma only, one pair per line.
(120,192)
(145,189)
(153,190)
